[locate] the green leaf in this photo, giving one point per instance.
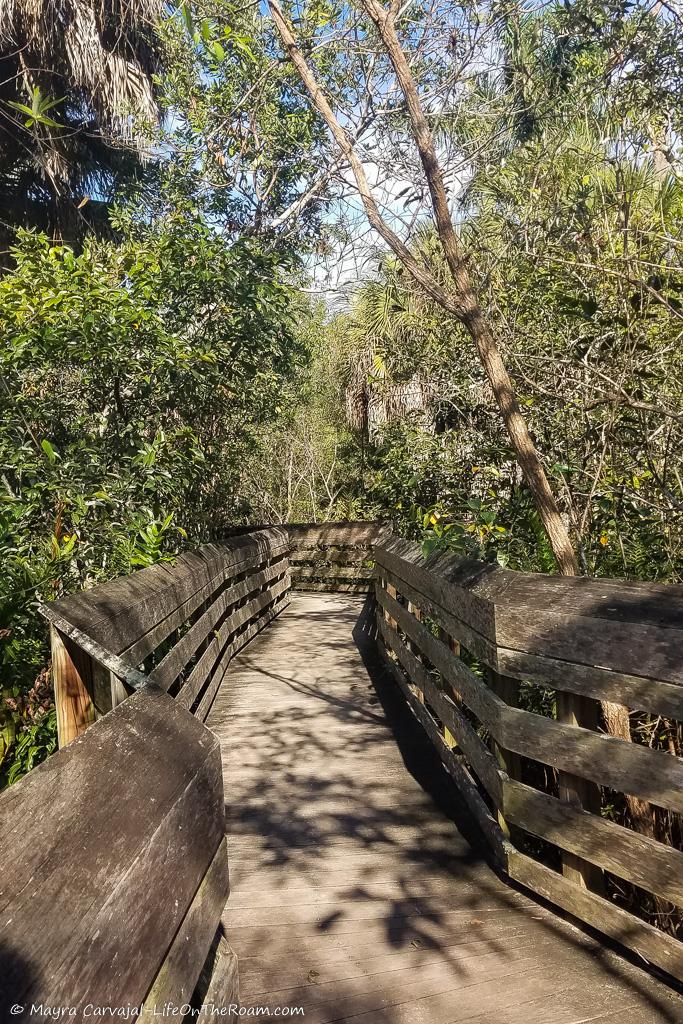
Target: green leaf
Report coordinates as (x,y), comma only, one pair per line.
(49,451)
(186,15)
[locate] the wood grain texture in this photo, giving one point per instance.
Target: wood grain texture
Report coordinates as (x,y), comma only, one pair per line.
(478,755)
(177,978)
(119,613)
(650,943)
(354,895)
(227,639)
(455,767)
(331,571)
(332,586)
(173,664)
(218,984)
(627,854)
(630,629)
(358,554)
(72,679)
(600,682)
(351,534)
(126,821)
(264,618)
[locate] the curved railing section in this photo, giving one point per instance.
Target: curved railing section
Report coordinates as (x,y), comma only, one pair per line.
(115,871)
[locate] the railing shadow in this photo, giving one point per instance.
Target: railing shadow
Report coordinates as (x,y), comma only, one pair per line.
(17,975)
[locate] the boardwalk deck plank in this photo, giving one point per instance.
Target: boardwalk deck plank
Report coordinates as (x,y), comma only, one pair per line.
(354,894)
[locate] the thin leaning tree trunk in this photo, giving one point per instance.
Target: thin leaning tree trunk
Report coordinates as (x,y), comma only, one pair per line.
(463,302)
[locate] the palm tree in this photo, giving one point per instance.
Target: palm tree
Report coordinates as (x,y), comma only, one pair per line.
(76,79)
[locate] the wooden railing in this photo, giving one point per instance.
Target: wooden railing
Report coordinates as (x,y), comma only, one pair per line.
(117,840)
(461,638)
(333,556)
(176,626)
(114,867)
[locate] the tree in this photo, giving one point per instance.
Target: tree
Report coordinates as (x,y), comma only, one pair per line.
(76,84)
(461,301)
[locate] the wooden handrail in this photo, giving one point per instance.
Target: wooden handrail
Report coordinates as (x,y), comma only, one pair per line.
(130,821)
(137,798)
(115,871)
(334,557)
(589,640)
(177,626)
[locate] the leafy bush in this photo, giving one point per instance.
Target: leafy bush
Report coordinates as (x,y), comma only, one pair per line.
(136,379)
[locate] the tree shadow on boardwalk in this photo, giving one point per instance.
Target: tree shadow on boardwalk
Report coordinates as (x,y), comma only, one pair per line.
(359,887)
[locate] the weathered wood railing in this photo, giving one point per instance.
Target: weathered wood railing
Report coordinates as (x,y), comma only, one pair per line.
(333,556)
(176,626)
(114,867)
(459,636)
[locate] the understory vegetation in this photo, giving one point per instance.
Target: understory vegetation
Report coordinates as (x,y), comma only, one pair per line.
(168,367)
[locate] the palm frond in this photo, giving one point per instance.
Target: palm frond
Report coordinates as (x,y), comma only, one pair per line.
(92,65)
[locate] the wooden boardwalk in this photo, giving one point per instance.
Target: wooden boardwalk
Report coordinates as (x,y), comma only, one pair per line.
(354,894)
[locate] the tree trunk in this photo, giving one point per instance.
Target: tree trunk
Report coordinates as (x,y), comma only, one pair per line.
(463,303)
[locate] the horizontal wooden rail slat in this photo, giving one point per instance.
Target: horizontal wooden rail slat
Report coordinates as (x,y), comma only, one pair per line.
(265,615)
(477,644)
(460,602)
(657,946)
(352,534)
(333,586)
(477,754)
(486,705)
(633,857)
(137,614)
(463,780)
(234,648)
(168,670)
(635,692)
(200,672)
(630,768)
(627,767)
(626,635)
(356,555)
(337,572)
(627,854)
(151,640)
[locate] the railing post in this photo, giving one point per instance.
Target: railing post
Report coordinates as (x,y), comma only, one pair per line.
(454,646)
(107,689)
(573,709)
(72,675)
(414,610)
(391,591)
(507,689)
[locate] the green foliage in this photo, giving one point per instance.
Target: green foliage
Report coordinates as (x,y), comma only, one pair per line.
(136,380)
(36,743)
(241,142)
(572,218)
